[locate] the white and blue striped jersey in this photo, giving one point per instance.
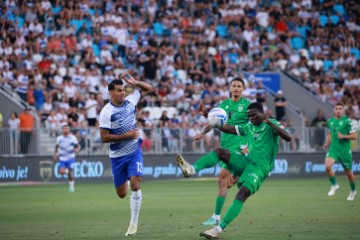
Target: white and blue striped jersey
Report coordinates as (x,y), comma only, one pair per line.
(119,120)
(66,147)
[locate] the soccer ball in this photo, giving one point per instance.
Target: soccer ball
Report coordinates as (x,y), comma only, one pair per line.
(217,117)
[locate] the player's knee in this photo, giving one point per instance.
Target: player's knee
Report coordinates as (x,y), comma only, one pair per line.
(243,194)
(121,194)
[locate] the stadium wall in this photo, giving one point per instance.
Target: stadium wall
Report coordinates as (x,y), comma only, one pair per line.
(97,168)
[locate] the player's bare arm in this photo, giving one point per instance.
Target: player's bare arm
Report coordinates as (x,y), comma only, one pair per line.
(145,87)
(282,132)
(351,136)
(107,137)
(206,129)
(228,129)
(327,142)
(55,152)
(202,110)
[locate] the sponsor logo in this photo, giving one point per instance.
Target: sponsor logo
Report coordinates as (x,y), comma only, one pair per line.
(45,168)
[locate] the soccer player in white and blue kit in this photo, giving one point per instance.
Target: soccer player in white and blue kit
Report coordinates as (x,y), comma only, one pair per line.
(118,127)
(66,147)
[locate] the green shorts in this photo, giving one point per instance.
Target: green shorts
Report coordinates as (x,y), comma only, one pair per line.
(344,157)
(252,177)
(237,162)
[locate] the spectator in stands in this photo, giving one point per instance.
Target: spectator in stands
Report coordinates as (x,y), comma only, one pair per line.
(14,125)
(1,120)
(27,125)
(280,105)
(91,112)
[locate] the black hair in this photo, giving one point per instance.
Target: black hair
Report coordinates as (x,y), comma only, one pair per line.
(238,79)
(111,85)
(339,104)
(15,114)
(256,105)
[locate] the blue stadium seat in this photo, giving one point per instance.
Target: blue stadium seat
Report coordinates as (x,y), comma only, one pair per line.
(96,49)
(334,19)
(20,21)
(327,64)
(91,11)
(323,20)
(221,30)
(77,24)
(302,31)
(356,52)
(56,10)
(339,9)
(158,29)
(296,43)
(48,32)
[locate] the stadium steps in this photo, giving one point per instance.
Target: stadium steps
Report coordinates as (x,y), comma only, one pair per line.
(47,143)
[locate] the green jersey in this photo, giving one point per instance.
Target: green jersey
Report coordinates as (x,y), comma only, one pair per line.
(237,115)
(344,126)
(263,143)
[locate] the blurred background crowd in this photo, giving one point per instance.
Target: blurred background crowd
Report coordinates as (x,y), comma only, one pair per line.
(59,56)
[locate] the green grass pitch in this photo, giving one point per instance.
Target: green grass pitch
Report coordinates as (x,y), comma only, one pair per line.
(282,209)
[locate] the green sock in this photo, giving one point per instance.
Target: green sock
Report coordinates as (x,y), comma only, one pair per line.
(206,161)
(220,200)
(352,186)
(232,213)
(332,179)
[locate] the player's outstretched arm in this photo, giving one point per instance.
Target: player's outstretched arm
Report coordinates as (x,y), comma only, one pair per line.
(145,87)
(228,129)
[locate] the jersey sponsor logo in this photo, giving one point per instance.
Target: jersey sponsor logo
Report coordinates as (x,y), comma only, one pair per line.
(240,108)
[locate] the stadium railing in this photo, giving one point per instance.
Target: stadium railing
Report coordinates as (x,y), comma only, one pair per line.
(156,141)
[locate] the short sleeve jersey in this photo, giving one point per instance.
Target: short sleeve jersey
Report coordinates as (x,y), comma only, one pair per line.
(237,115)
(66,147)
(344,126)
(263,143)
(119,120)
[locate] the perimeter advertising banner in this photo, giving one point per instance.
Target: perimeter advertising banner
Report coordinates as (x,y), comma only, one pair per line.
(270,80)
(97,169)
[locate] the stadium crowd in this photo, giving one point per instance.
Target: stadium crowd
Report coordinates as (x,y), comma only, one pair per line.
(60,55)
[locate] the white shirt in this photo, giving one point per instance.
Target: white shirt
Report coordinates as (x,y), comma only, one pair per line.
(90,105)
(119,120)
(66,147)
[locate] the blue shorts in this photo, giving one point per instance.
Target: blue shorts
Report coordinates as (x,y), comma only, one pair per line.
(127,166)
(67,164)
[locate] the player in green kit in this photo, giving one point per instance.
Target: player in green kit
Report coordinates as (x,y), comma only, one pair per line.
(341,131)
(263,136)
(235,108)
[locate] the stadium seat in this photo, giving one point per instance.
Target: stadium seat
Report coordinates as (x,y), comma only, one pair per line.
(356,52)
(334,19)
(323,20)
(296,43)
(327,64)
(96,49)
(339,9)
(56,10)
(20,22)
(221,30)
(302,31)
(158,29)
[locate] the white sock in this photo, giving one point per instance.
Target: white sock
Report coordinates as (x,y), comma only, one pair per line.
(218,229)
(135,205)
(192,169)
(71,183)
